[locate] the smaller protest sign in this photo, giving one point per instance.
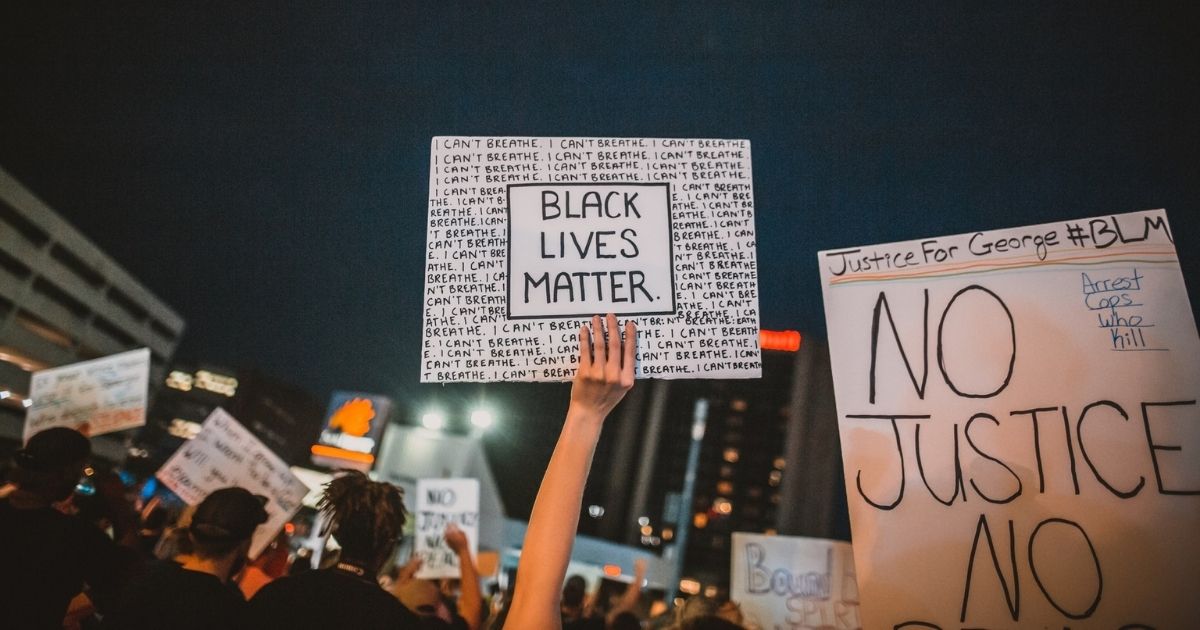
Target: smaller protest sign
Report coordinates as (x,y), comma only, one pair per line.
(225,454)
(441,502)
(794,582)
(94,397)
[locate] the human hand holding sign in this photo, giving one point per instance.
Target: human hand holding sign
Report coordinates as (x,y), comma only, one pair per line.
(604,375)
(605,370)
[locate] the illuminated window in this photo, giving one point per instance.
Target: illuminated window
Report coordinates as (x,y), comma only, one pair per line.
(724,487)
(185,429)
(731,455)
(668,533)
(179,380)
(700,521)
(775,477)
(722,506)
(216,383)
(647,530)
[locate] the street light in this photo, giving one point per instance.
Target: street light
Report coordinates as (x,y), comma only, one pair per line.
(482,418)
(433,420)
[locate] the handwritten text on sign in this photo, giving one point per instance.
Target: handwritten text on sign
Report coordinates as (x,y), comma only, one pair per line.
(1019,426)
(225,454)
(95,397)
(528,237)
(441,502)
(794,583)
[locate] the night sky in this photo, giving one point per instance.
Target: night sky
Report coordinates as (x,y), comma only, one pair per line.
(264,169)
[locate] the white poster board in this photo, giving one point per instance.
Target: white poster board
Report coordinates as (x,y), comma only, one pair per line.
(1019,426)
(95,397)
(225,454)
(794,583)
(441,502)
(530,237)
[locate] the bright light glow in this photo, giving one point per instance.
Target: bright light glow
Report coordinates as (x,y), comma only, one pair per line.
(27,403)
(482,418)
(710,590)
(647,530)
(5,394)
(700,521)
(689,586)
(722,506)
(668,533)
(433,420)
(612,570)
(595,511)
(643,520)
(731,455)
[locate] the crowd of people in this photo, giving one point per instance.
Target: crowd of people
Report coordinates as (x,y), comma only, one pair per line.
(111,563)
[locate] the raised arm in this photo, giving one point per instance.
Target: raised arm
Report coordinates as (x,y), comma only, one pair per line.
(605,373)
(470,601)
(633,593)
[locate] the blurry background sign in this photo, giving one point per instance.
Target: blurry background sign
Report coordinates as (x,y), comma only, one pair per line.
(439,503)
(95,397)
(793,582)
(225,454)
(353,426)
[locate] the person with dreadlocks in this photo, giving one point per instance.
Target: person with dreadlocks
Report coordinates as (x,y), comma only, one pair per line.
(366,518)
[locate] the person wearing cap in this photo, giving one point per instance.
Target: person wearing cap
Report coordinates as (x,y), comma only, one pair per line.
(195,591)
(46,556)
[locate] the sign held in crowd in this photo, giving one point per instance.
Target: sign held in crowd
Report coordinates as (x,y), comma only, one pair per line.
(442,502)
(1019,425)
(794,582)
(95,397)
(530,237)
(225,454)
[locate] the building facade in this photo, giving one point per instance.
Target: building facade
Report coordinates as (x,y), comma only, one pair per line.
(768,461)
(63,300)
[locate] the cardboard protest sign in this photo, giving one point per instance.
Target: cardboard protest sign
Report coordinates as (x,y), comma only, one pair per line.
(793,582)
(1019,426)
(95,397)
(225,454)
(530,237)
(441,502)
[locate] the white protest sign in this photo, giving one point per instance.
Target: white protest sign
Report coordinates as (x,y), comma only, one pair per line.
(530,237)
(792,582)
(441,502)
(225,454)
(1019,426)
(95,397)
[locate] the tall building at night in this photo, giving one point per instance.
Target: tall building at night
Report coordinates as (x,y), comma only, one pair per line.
(768,462)
(285,417)
(63,300)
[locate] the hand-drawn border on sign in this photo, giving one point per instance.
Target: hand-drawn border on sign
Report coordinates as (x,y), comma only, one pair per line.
(508,246)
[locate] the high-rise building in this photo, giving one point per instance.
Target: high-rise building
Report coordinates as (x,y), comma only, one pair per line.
(63,300)
(768,461)
(285,417)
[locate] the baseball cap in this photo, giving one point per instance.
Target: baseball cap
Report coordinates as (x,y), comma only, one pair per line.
(54,447)
(228,514)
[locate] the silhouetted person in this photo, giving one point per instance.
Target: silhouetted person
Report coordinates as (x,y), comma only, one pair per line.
(46,556)
(194,590)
